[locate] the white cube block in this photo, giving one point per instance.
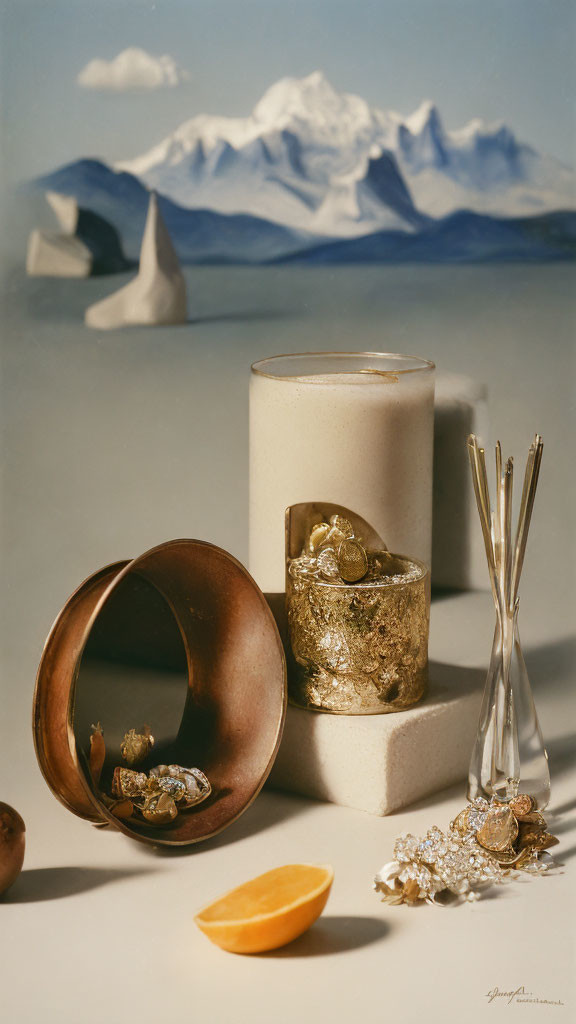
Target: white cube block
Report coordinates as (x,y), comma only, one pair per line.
(378,763)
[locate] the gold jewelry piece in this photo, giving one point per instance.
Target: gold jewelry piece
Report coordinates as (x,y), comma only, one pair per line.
(352,561)
(499,831)
(136,745)
(189,786)
(486,844)
(522,805)
(127,783)
(174,787)
(340,529)
(317,537)
(159,808)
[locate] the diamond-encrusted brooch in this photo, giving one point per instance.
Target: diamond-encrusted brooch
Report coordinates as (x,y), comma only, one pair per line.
(486,844)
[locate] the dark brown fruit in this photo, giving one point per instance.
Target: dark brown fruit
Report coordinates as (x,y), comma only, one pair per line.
(12,844)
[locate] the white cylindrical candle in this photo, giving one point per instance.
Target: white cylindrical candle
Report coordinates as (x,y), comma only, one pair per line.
(324,429)
(458,556)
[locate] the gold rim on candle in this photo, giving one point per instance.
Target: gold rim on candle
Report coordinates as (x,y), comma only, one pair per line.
(391,374)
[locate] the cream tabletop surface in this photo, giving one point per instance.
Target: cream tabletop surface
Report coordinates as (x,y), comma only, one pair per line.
(98,928)
(117,442)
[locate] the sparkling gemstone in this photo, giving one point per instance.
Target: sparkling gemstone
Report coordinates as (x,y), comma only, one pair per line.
(406,848)
(328,564)
(427,851)
(476,818)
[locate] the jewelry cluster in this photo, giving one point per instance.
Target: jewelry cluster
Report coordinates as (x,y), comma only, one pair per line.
(486,844)
(333,553)
(155,797)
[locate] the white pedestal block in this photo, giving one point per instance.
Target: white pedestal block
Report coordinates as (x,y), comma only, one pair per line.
(378,763)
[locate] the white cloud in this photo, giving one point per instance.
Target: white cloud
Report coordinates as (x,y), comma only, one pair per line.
(132,69)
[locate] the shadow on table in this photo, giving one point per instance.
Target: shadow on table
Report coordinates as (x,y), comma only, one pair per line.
(551,662)
(269,809)
(334,934)
(562,759)
(561,856)
(570,805)
(450,682)
(37,885)
(444,593)
(561,818)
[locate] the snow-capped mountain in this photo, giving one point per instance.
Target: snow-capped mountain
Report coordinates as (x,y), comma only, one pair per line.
(320,176)
(326,162)
(480,167)
(306,157)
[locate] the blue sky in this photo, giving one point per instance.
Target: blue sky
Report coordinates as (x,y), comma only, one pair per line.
(499,59)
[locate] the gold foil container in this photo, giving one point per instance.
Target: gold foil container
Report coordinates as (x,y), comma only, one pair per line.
(180,638)
(354,648)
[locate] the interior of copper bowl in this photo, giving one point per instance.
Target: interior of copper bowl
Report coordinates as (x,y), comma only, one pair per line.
(184,642)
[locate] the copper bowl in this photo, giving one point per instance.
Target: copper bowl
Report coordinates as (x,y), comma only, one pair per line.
(182,639)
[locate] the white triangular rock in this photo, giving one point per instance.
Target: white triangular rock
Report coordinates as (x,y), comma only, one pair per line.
(53,255)
(157,295)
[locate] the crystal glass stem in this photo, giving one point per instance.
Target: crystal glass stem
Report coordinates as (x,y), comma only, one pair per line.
(509,755)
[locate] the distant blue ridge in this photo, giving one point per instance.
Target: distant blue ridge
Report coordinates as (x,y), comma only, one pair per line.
(462,237)
(206,237)
(200,236)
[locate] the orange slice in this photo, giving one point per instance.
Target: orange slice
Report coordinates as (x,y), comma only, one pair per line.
(268,911)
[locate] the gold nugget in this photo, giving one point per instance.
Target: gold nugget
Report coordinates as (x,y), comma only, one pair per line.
(136,745)
(317,537)
(340,529)
(159,809)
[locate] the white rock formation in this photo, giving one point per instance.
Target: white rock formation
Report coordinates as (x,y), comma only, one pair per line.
(157,295)
(59,255)
(65,209)
(53,255)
